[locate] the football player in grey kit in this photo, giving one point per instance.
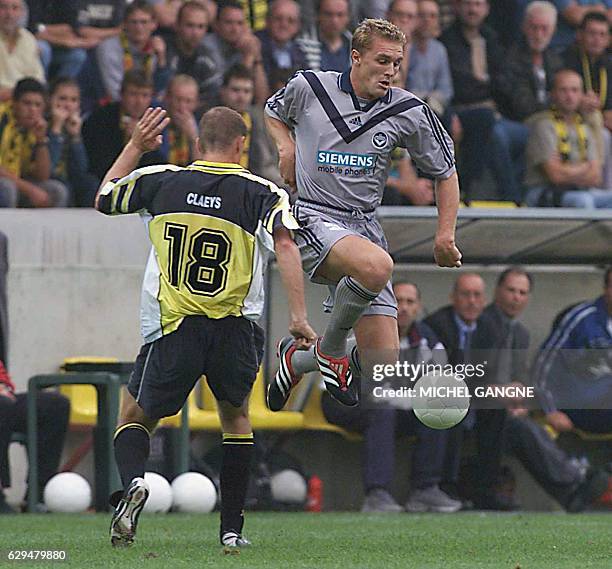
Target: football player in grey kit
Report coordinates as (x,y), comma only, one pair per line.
(335,133)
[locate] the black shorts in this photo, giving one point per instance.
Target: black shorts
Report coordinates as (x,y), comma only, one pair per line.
(228,351)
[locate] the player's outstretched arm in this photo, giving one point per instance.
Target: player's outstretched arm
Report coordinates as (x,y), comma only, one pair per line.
(285,144)
(446,252)
(145,138)
(290,266)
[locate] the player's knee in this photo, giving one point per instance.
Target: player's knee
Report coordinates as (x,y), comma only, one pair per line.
(376,271)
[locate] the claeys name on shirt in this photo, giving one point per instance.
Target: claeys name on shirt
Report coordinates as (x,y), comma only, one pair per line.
(210,202)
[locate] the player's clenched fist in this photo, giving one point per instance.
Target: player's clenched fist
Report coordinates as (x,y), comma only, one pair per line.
(447,254)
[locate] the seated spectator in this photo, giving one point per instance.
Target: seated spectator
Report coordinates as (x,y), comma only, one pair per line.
(167,13)
(233,42)
(590,56)
(532,64)
(179,138)
(571,14)
(19,56)
(25,163)
(62,50)
(97,20)
(53,410)
(279,51)
(572,485)
(464,333)
(381,423)
(477,68)
(429,76)
(188,55)
(259,154)
(108,128)
(69,162)
(562,164)
(404,14)
(573,369)
(134,48)
(328,46)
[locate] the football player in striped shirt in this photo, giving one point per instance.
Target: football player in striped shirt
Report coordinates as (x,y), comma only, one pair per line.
(212,226)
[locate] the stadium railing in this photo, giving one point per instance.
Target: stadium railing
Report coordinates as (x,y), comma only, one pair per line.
(105,473)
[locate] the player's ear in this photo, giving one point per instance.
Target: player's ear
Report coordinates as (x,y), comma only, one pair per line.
(199,146)
(239,144)
(355,56)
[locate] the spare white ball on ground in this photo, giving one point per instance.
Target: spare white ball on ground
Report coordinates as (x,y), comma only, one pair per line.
(288,486)
(160,494)
(67,492)
(193,493)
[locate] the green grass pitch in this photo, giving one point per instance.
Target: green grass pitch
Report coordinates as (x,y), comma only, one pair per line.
(346,540)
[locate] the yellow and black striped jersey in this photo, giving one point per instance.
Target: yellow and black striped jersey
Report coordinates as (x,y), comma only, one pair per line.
(211,226)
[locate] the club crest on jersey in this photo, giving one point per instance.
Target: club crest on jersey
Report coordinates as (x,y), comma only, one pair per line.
(379,140)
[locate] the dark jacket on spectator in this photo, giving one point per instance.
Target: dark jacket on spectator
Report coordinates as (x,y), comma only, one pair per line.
(442,322)
(268,46)
(468,89)
(518,84)
(202,66)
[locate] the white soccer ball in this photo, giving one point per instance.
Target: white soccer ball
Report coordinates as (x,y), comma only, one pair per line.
(288,486)
(193,493)
(441,401)
(67,492)
(160,494)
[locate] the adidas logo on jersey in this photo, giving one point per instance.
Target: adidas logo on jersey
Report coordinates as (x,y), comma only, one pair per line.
(356,121)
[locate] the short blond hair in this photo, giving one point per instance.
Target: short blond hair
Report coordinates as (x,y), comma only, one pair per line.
(370,28)
(219,127)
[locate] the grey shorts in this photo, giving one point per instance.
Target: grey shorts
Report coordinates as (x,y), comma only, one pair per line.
(321,228)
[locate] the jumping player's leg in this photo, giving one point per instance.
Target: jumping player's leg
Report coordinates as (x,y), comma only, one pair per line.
(361,270)
(377,340)
(238,447)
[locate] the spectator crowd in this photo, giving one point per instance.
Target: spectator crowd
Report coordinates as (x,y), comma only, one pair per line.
(530,103)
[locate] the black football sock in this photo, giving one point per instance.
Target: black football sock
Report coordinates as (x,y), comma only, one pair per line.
(131,451)
(235,470)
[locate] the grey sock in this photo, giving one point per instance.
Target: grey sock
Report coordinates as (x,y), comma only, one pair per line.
(304,361)
(350,301)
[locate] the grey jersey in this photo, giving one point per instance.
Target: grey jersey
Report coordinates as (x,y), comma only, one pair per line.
(343,149)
